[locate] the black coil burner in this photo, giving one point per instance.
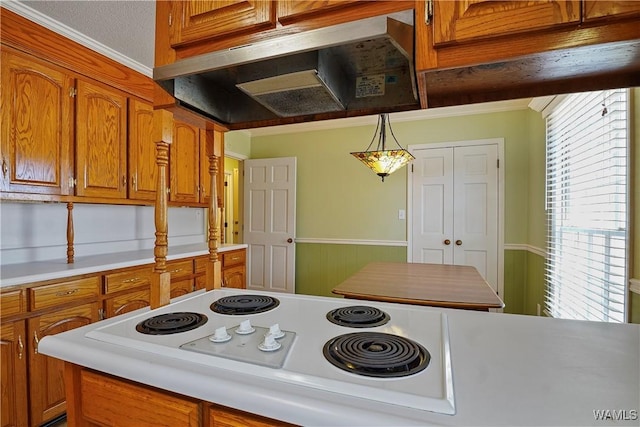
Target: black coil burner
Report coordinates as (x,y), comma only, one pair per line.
(171,323)
(358,316)
(376,354)
(244,304)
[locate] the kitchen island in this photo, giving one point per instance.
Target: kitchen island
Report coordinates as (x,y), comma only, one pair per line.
(489,369)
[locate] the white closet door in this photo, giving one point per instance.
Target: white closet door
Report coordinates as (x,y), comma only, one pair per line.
(455,213)
(432,219)
(475,219)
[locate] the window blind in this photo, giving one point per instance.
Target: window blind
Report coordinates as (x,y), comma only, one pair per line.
(587,150)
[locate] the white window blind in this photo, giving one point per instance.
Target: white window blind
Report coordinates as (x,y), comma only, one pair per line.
(587,147)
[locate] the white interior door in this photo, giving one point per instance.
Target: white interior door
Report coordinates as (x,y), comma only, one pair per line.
(270,223)
(455,207)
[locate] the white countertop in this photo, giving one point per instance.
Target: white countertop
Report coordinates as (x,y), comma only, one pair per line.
(19,274)
(507,370)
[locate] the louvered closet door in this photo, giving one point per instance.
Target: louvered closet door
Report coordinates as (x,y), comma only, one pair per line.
(455,208)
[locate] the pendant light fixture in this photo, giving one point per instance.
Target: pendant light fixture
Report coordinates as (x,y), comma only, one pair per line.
(384,161)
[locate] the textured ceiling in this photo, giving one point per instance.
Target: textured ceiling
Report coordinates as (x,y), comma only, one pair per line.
(128,27)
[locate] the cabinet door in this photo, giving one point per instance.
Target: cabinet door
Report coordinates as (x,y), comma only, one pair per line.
(101,141)
(234,277)
(220,416)
(184,154)
(467,20)
(37,119)
(46,383)
(197,20)
(13,360)
(599,9)
(142,151)
(125,303)
(294,10)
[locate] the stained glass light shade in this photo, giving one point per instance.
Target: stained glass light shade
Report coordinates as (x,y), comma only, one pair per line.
(382,160)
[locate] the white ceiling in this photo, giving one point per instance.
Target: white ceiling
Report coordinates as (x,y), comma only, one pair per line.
(124,30)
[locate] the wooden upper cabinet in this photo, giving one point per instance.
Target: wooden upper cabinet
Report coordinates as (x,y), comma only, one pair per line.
(184,167)
(37,119)
(142,151)
(471,20)
(198,20)
(603,9)
(294,10)
(101,141)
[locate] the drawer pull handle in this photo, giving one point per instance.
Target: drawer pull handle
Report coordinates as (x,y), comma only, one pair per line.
(66,293)
(132,280)
(20,347)
(36,342)
(176,270)
(235,258)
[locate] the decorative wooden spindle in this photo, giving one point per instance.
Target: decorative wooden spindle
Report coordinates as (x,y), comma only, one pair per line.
(161,278)
(70,234)
(214,266)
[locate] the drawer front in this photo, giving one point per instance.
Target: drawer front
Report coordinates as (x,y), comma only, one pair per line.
(233,258)
(62,293)
(12,302)
(180,269)
(129,279)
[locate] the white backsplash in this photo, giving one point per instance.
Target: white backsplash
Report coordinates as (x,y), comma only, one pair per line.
(37,232)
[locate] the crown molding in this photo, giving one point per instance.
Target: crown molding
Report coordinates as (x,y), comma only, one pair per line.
(405,116)
(39,18)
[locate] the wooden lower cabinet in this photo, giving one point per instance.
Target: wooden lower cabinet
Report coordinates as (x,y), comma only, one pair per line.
(13,361)
(46,374)
(97,399)
(125,303)
(234,269)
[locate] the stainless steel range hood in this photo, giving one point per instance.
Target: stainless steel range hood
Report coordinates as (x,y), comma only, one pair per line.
(357,68)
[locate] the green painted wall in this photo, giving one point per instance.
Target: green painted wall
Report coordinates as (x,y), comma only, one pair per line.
(238,142)
(320,267)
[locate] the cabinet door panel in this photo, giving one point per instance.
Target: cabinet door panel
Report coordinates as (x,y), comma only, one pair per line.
(597,9)
(184,163)
(200,20)
(13,357)
(36,126)
(46,374)
(128,302)
(101,141)
(142,152)
(293,10)
(234,277)
(466,20)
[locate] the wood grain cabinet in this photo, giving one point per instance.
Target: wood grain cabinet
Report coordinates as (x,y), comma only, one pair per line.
(142,151)
(13,361)
(36,153)
(184,163)
(197,20)
(472,20)
(182,281)
(126,291)
(234,269)
(598,9)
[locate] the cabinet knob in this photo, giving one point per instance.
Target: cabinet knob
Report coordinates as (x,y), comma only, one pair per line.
(447,242)
(458,242)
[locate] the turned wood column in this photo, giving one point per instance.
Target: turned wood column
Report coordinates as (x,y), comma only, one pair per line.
(214,266)
(161,278)
(70,234)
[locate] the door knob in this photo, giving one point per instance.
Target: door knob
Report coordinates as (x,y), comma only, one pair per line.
(458,242)
(447,242)
(289,240)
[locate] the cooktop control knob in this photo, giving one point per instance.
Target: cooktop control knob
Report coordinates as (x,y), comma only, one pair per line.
(245,328)
(269,343)
(220,335)
(275,331)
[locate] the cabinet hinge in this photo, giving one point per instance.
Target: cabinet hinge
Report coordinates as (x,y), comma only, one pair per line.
(428,11)
(73,92)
